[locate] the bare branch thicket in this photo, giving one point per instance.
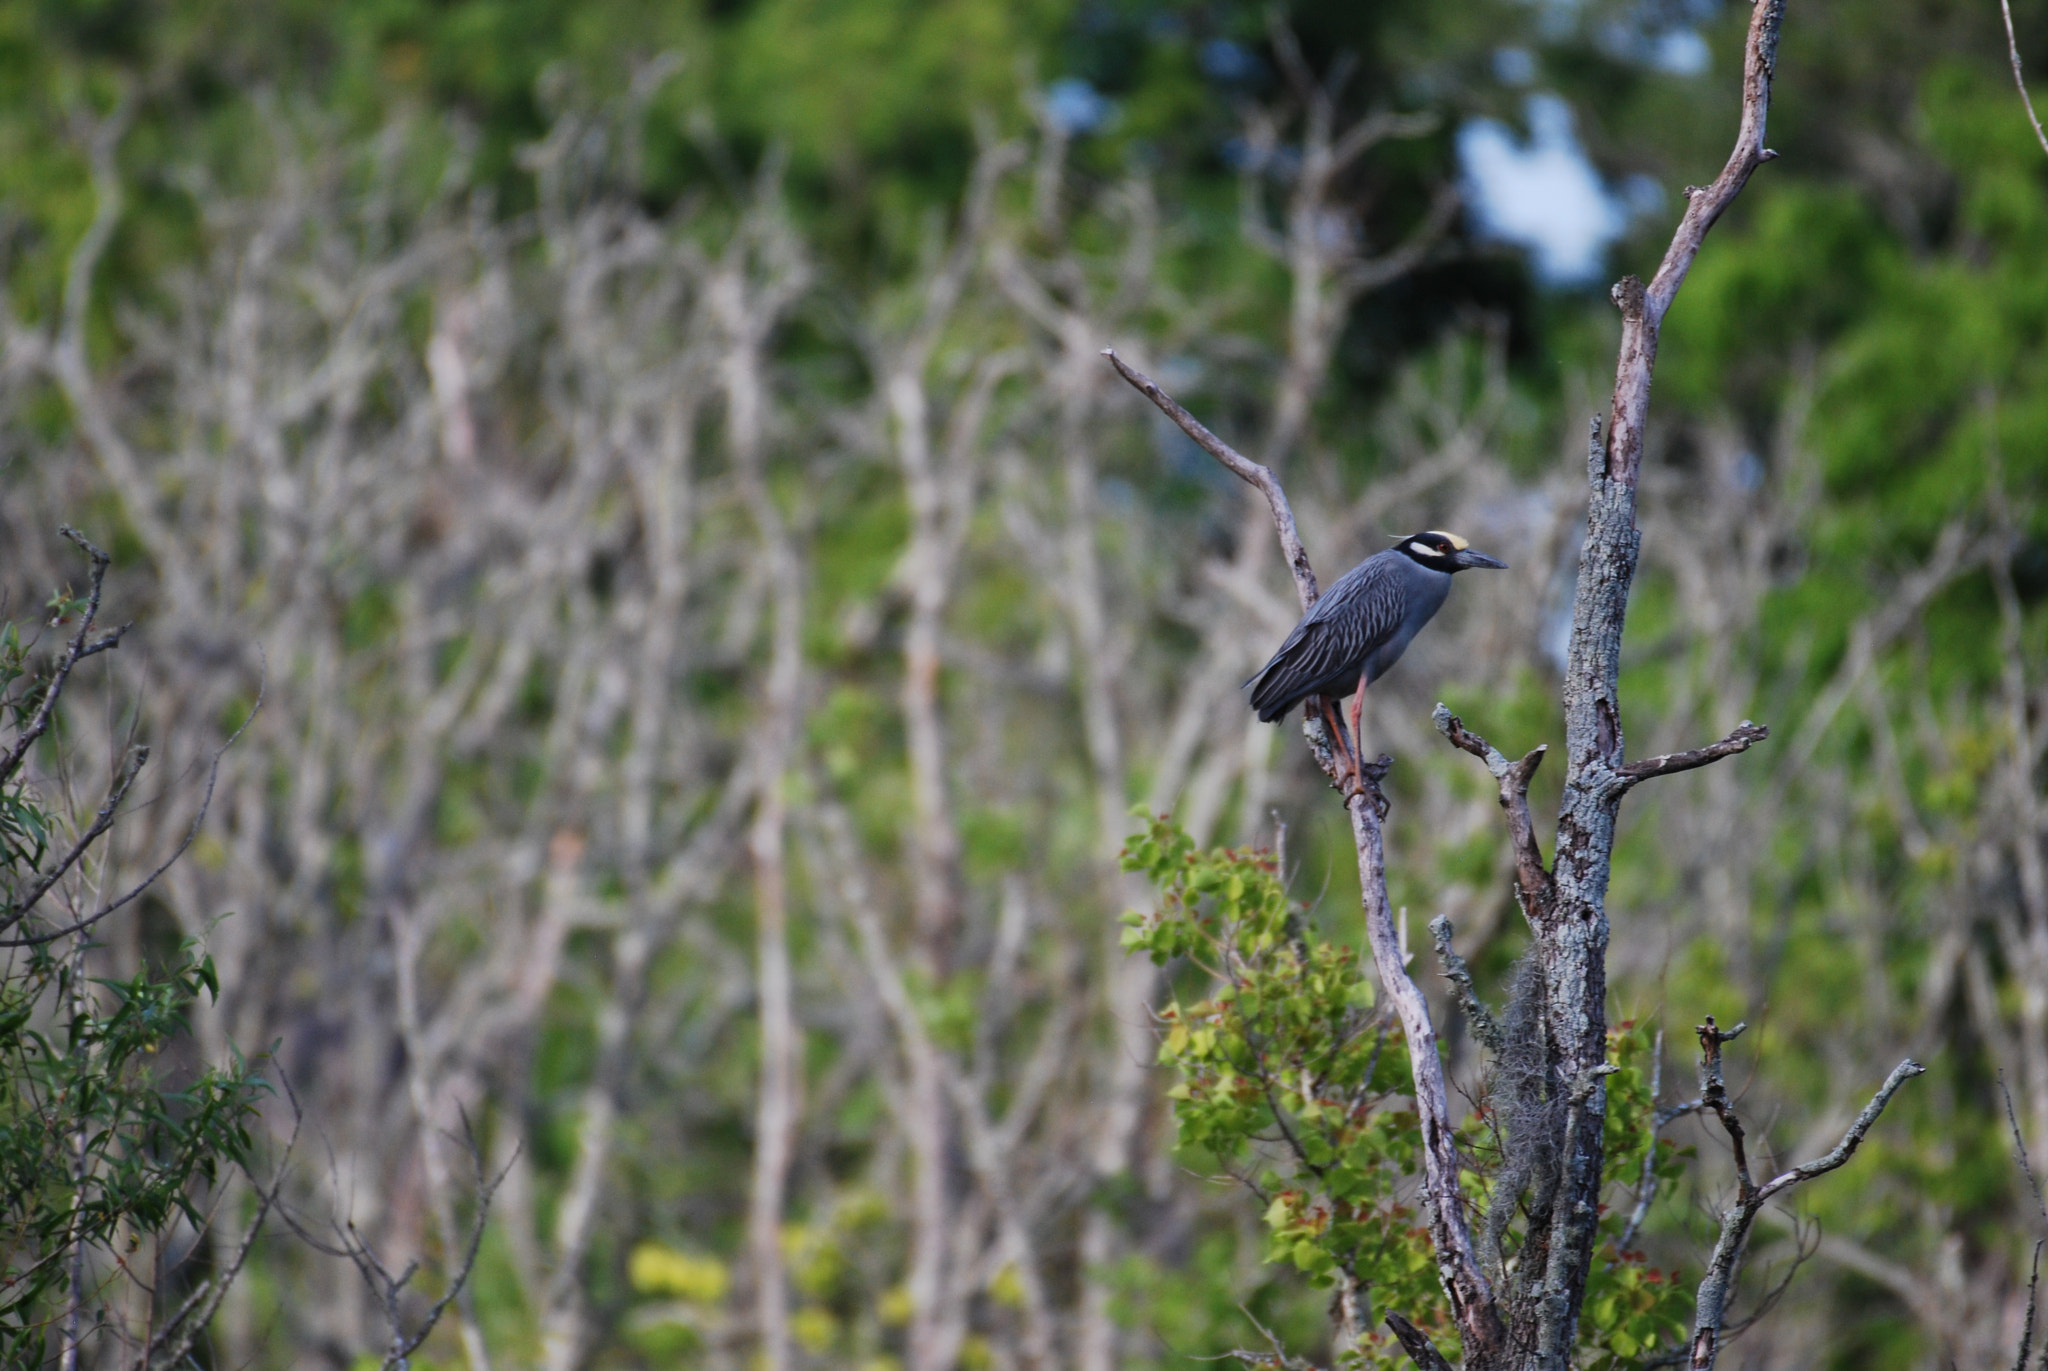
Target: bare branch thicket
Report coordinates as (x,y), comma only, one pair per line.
(417,592)
(937,436)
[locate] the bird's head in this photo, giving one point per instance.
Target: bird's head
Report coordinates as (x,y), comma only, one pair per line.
(1445,551)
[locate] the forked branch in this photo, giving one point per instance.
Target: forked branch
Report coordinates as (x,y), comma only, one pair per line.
(1534,887)
(1750,1198)
(81,646)
(389,1287)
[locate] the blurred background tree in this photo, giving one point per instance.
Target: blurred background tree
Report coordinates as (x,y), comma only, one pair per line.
(720,611)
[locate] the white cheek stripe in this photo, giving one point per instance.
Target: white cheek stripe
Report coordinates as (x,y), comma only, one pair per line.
(1422,550)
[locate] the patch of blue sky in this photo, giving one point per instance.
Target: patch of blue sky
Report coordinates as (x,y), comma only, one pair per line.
(1075,107)
(1541,193)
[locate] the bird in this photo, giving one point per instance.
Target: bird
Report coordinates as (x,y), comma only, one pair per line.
(1361,625)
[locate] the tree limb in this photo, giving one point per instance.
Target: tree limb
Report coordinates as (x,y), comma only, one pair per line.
(1484,1027)
(1534,888)
(1471,1296)
(1238,465)
(1571,947)
(1716,1285)
(1464,1281)
(1745,736)
(1417,1345)
(1643,308)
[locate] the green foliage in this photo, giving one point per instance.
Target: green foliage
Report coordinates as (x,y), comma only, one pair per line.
(1290,1080)
(1633,1311)
(1287,1074)
(107,1139)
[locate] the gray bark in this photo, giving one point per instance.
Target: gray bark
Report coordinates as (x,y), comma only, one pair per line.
(1534,1322)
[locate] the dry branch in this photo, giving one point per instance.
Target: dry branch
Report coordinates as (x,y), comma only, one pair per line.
(1572,945)
(1717,1284)
(1746,735)
(2012,48)
(1534,888)
(81,646)
(1484,1027)
(1251,473)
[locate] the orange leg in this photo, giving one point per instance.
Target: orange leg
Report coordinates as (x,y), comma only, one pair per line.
(1357,737)
(1347,751)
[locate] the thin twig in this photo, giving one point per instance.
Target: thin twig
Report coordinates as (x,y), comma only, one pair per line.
(77,650)
(191,834)
(184,1327)
(131,767)
(2012,48)
(1646,1183)
(1244,468)
(2019,1145)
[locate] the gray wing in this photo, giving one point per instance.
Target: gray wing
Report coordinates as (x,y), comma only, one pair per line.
(1327,650)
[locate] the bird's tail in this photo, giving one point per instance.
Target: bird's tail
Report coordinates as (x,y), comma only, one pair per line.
(1270,695)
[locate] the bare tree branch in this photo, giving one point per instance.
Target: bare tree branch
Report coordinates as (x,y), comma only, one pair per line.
(1240,466)
(81,646)
(388,1288)
(2012,47)
(1716,1286)
(1417,1345)
(172,1343)
(1643,308)
(191,833)
(1535,890)
(1484,1027)
(1571,947)
(1472,1300)
(1745,736)
(2019,1144)
(131,767)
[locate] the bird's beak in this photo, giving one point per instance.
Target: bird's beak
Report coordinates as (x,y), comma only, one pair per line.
(1467,558)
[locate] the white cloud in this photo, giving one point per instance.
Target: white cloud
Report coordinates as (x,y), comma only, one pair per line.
(1543,194)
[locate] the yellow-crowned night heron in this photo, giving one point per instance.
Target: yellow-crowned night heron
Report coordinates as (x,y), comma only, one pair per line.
(1355,633)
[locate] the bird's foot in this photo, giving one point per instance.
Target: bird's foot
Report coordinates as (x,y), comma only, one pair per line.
(1356,777)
